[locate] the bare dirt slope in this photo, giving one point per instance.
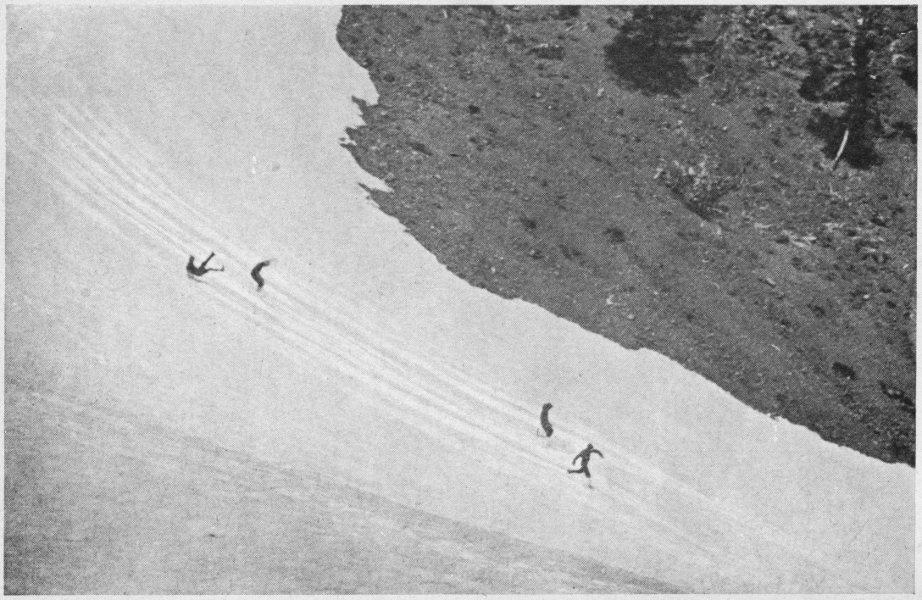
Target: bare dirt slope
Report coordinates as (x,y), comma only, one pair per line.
(529,168)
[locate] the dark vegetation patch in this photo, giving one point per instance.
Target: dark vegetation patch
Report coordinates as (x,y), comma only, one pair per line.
(615,235)
(646,54)
(569,252)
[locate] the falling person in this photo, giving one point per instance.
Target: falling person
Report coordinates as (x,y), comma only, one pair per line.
(260,282)
(200,270)
(584,457)
(545,423)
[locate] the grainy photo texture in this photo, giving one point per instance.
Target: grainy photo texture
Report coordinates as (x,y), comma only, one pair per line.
(465,299)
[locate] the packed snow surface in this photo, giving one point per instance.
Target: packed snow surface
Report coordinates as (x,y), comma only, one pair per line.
(139,136)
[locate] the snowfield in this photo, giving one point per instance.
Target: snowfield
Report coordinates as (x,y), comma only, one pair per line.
(367,422)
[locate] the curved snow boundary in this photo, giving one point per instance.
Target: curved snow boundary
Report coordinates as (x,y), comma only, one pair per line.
(189,130)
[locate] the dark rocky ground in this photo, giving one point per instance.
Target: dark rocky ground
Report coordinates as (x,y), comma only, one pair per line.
(702,221)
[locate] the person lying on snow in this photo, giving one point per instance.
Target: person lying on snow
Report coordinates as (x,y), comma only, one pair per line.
(200,270)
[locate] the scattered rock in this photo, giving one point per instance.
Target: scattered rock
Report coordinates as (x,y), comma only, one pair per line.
(818,311)
(879,220)
(801,241)
(528,223)
(569,252)
(843,370)
(897,394)
(570,11)
(615,235)
(420,147)
(547,51)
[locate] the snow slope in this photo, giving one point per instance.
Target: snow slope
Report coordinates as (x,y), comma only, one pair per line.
(139,136)
(197,518)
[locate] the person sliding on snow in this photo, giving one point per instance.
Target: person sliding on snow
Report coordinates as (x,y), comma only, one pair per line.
(200,270)
(584,456)
(545,423)
(260,282)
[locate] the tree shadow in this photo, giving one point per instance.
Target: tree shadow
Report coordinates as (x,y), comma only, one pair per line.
(859,149)
(817,87)
(905,130)
(648,69)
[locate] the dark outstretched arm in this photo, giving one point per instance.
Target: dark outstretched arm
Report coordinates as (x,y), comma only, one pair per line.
(205,262)
(597,452)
